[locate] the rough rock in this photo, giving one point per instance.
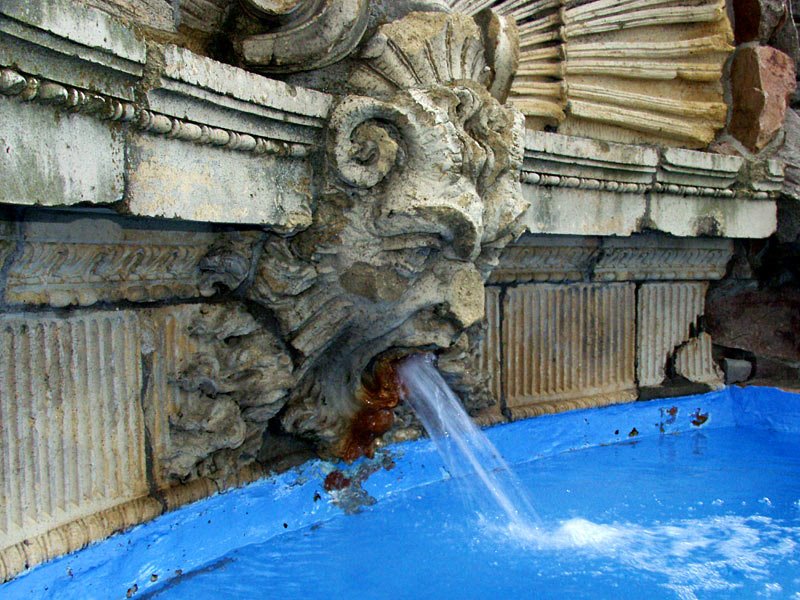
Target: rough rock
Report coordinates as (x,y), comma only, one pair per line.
(787,38)
(769,22)
(758,20)
(790,154)
(694,361)
(736,370)
(762,83)
(765,322)
(788,221)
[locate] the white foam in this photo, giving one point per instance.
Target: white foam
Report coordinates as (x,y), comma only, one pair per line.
(695,555)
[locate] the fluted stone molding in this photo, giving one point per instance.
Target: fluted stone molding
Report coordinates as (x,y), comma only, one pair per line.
(628,70)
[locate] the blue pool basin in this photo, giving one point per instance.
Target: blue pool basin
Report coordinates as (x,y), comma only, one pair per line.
(695,497)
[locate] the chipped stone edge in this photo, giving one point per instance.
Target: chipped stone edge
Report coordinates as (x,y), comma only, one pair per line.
(28,88)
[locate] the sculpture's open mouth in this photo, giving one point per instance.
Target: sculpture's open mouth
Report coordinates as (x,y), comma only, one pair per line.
(380,392)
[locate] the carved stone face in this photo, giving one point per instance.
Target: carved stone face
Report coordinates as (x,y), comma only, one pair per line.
(422,193)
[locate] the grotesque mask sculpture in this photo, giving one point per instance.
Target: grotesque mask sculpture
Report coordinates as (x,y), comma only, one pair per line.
(418,195)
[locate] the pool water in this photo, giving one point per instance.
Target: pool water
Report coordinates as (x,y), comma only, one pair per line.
(706,514)
(690,498)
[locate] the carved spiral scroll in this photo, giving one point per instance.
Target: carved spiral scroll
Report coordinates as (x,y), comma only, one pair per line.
(361,147)
(318,33)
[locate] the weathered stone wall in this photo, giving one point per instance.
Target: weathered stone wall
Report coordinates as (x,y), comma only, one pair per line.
(123,391)
(589,321)
(752,313)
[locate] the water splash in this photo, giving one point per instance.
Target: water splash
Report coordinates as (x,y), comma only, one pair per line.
(486,481)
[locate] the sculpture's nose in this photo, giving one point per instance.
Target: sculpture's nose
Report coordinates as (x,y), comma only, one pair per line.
(463,299)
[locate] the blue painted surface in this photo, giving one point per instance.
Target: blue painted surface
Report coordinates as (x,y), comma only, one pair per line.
(275,537)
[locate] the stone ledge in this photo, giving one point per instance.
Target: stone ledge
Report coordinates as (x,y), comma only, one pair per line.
(592,400)
(84,87)
(587,187)
(575,185)
(198,89)
(70,124)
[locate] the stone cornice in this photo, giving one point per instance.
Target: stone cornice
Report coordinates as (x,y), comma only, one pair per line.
(582,186)
(553,160)
(646,257)
(106,108)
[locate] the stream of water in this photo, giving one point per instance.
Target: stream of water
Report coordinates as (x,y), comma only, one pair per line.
(489,487)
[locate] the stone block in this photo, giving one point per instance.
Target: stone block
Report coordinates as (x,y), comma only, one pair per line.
(762,84)
(72,431)
(736,370)
(692,216)
(53,158)
(667,315)
(694,361)
(172,179)
(698,169)
(564,210)
(568,346)
(566,156)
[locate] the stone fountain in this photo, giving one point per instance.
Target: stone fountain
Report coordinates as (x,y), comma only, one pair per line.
(223,221)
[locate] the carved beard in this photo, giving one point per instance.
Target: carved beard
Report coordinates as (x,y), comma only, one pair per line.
(402,241)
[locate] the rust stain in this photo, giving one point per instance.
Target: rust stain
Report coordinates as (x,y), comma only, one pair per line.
(379,395)
(699,418)
(336,480)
